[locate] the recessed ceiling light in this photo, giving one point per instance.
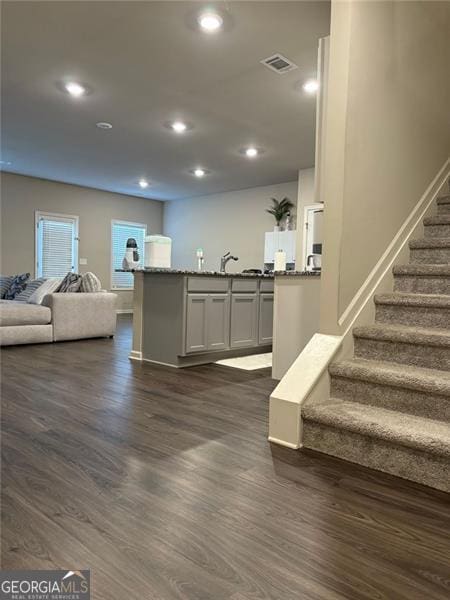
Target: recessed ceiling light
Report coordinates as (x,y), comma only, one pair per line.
(199,172)
(179,126)
(311,86)
(103,125)
(251,152)
(75,89)
(143,183)
(210,22)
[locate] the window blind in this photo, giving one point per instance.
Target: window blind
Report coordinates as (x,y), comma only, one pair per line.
(56,248)
(120,234)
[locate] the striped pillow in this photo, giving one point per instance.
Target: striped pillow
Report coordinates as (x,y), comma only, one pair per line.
(71,283)
(5,282)
(90,283)
(30,289)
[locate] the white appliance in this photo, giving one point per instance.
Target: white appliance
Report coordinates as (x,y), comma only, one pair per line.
(158,250)
(131,258)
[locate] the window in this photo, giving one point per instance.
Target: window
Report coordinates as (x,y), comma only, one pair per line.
(56,244)
(120,232)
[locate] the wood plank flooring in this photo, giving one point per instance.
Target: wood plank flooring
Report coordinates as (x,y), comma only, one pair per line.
(161,481)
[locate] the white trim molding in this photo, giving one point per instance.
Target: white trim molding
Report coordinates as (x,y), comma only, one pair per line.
(124,311)
(308,381)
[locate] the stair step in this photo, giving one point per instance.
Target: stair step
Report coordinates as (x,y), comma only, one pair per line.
(418,346)
(430,250)
(443,205)
(405,445)
(422,310)
(422,279)
(417,391)
(438,226)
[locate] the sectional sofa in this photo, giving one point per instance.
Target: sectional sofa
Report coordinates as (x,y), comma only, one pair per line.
(68,316)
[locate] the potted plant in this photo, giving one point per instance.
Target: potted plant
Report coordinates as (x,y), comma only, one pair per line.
(280,210)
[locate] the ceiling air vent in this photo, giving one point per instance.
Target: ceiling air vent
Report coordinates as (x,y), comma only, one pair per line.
(279,63)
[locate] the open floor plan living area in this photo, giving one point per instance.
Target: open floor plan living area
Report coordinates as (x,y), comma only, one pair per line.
(225,300)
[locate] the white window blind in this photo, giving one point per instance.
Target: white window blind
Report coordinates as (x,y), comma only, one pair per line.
(56,245)
(120,232)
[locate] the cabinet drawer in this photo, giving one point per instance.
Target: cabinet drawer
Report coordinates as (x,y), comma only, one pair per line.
(208,284)
(244,285)
(266,285)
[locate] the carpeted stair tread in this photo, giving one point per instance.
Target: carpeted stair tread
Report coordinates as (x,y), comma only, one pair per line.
(404,334)
(395,375)
(418,433)
(437,220)
(410,299)
(422,270)
(430,243)
(443,200)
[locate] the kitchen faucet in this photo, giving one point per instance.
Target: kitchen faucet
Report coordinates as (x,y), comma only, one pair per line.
(225,258)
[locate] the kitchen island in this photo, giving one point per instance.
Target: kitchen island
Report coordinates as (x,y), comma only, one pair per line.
(185,318)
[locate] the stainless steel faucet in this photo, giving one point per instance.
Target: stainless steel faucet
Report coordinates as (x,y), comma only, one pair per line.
(225,258)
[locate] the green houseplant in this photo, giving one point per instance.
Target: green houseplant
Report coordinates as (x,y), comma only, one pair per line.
(280,209)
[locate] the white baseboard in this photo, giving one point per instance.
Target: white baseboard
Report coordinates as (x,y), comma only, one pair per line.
(124,311)
(135,355)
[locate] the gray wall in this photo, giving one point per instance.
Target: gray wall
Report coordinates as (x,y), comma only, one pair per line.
(22,196)
(234,221)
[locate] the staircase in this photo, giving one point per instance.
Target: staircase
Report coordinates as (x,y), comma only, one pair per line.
(390,405)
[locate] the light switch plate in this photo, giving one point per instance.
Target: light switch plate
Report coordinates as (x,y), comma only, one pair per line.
(83,261)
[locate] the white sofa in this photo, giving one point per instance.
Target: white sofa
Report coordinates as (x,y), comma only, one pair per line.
(66,316)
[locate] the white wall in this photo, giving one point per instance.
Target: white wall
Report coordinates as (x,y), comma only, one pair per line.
(234,221)
(387,133)
(305,197)
(21,196)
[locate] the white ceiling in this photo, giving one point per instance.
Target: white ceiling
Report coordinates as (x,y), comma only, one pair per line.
(147,63)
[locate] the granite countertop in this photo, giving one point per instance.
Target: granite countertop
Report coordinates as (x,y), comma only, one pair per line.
(297,273)
(193,272)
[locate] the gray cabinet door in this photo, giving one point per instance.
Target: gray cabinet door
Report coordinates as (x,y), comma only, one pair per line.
(196,323)
(218,322)
(244,320)
(265,319)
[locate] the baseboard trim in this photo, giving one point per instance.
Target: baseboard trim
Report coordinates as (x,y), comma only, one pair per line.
(283,443)
(135,355)
(124,311)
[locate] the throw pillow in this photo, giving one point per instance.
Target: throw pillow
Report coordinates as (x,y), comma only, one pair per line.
(49,287)
(90,283)
(70,283)
(5,282)
(18,284)
(32,286)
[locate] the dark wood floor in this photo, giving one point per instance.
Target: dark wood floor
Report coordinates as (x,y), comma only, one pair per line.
(163,484)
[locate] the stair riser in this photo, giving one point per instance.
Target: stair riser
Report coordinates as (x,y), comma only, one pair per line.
(401,461)
(414,316)
(437,231)
(443,209)
(430,357)
(421,285)
(430,256)
(413,402)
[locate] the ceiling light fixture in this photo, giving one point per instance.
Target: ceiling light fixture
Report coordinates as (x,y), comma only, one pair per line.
(199,172)
(103,125)
(75,89)
(143,183)
(210,22)
(311,86)
(251,152)
(179,126)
